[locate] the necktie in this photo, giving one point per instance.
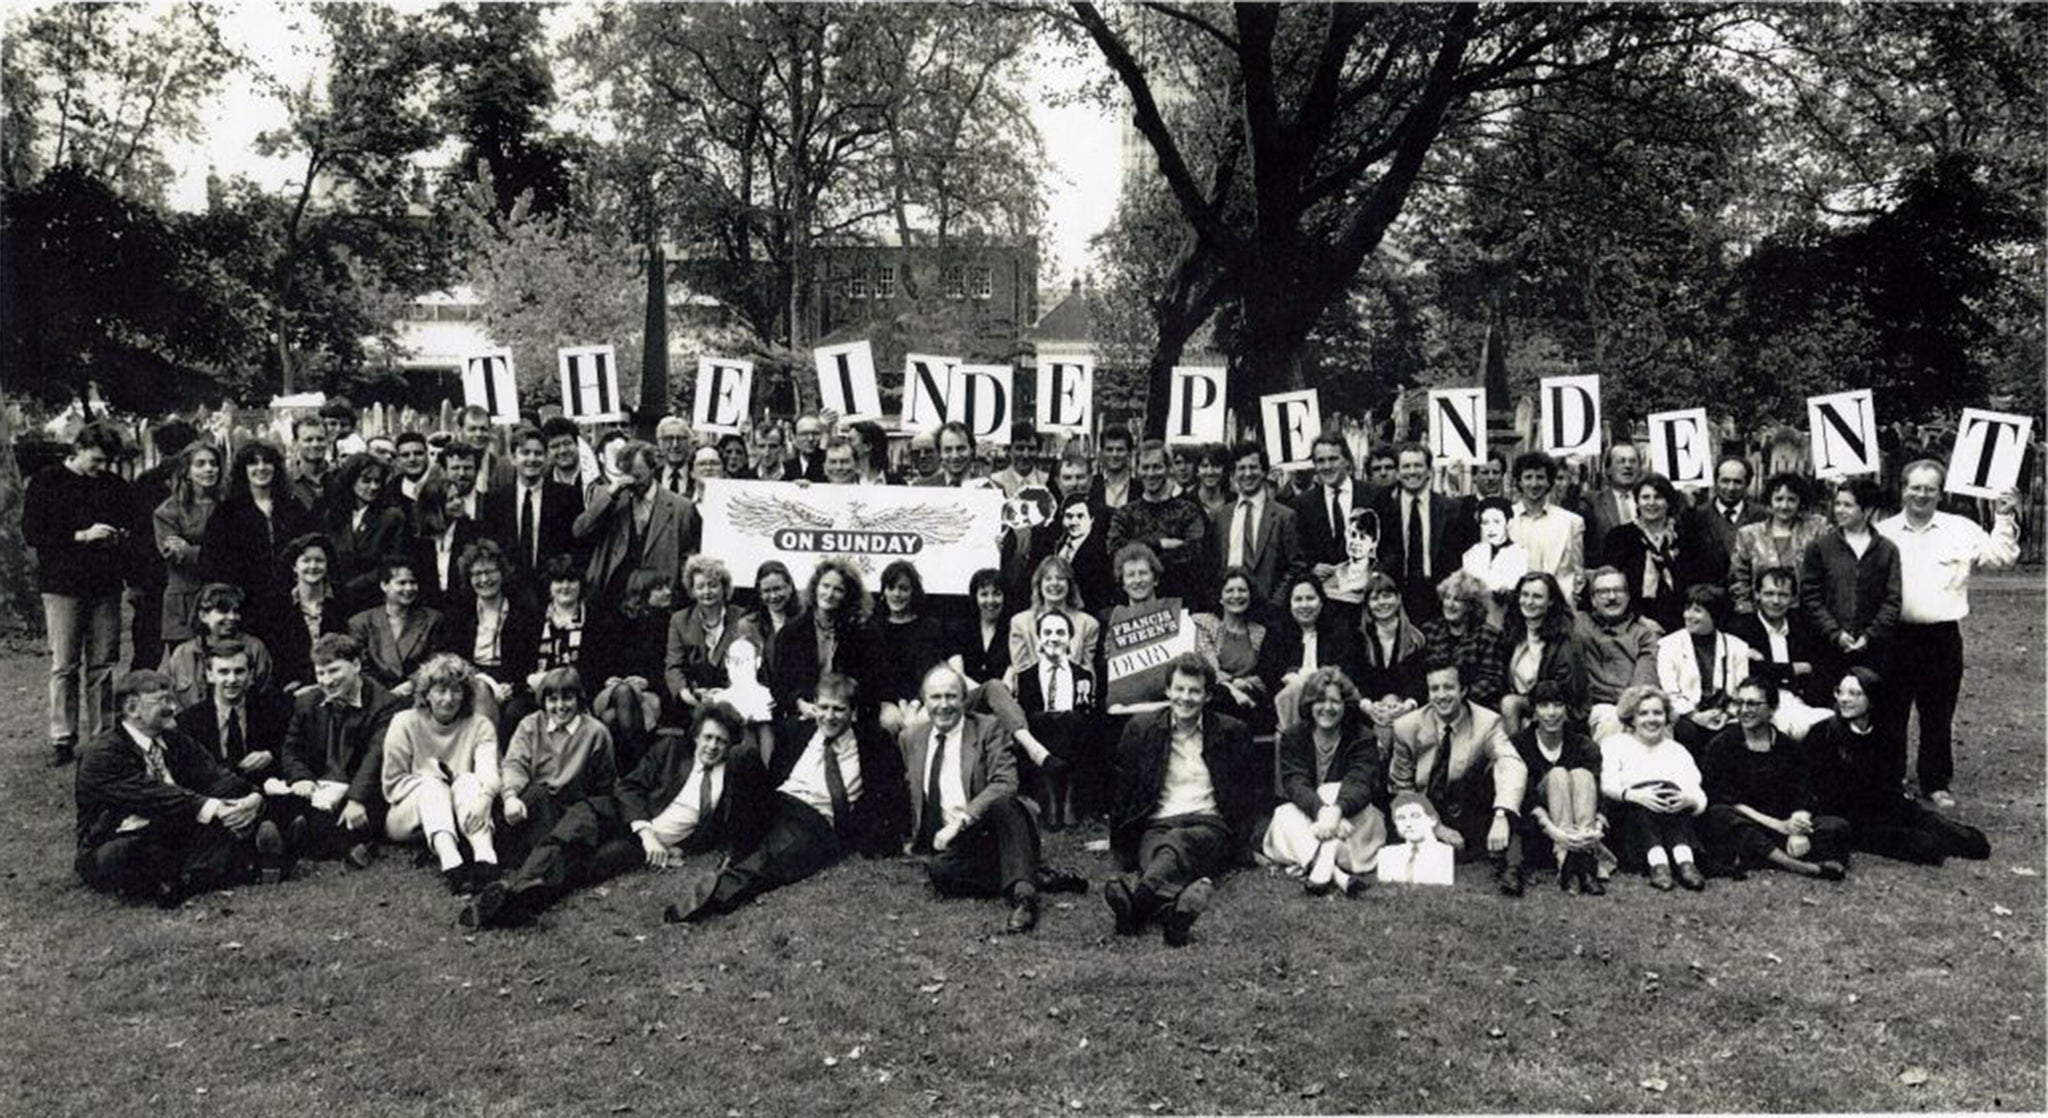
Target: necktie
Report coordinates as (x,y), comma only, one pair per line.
(705,802)
(835,787)
(934,804)
(529,517)
(1245,510)
(236,745)
(1412,569)
(153,757)
(1336,520)
(675,480)
(1052,698)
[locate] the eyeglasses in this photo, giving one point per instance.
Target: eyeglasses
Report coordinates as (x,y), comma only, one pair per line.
(1750,704)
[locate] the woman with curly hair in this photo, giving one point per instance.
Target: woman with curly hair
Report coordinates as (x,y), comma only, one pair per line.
(364,528)
(1664,550)
(246,535)
(1538,643)
(441,773)
(1328,828)
(1053,588)
(1230,640)
(1461,632)
(831,635)
(1776,541)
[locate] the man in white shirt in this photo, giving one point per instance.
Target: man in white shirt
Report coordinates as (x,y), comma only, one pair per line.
(838,790)
(1937,553)
(1555,538)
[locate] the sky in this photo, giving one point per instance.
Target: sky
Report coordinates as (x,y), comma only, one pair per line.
(1080,178)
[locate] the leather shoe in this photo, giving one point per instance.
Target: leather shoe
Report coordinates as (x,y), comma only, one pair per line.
(1180,919)
(62,753)
(1118,896)
(1589,879)
(1023,915)
(1356,885)
(482,909)
(1055,879)
(360,856)
(459,879)
(1510,881)
(1689,876)
(1660,878)
(272,863)
(1833,871)
(484,873)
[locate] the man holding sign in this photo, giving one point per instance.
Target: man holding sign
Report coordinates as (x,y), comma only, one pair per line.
(1937,553)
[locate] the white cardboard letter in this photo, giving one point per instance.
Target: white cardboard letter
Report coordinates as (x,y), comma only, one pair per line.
(1571,416)
(1457,424)
(1990,448)
(725,390)
(590,384)
(487,383)
(1066,395)
(1843,430)
(925,379)
(1680,447)
(1290,422)
(981,397)
(846,381)
(1195,407)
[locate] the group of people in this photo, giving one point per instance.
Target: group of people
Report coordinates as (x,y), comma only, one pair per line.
(506,649)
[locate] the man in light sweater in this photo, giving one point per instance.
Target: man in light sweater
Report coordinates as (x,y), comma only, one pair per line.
(1937,553)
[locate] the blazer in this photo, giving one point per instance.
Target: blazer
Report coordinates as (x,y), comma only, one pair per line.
(1563,662)
(182,581)
(744,806)
(1696,559)
(1678,670)
(560,505)
(793,671)
(988,769)
(1024,637)
(1718,528)
(1843,593)
(391,660)
(982,663)
(1423,746)
(1320,542)
(1755,550)
(1280,652)
(1243,790)
(518,637)
(386,531)
(1602,515)
(1093,577)
(690,663)
(1354,768)
(113,783)
(1804,647)
(266,714)
(426,566)
(876,826)
(672,532)
(1452,529)
(292,650)
(335,741)
(1276,552)
(244,549)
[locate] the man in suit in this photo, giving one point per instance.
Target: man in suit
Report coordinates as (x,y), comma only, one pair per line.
(1061,715)
(1617,645)
(412,457)
(1788,650)
(1188,799)
(1457,754)
(1254,531)
(808,460)
(240,725)
(635,525)
(678,447)
(399,635)
(534,516)
(841,790)
(326,793)
(1322,514)
(1726,509)
(964,811)
(492,470)
(158,817)
(1614,503)
(1423,534)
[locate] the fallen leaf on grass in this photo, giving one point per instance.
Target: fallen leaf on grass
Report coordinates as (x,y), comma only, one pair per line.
(1773,957)
(1655,1083)
(2024,871)
(236,945)
(831,1061)
(1312,1090)
(1996,910)
(1496,1032)
(1913,1076)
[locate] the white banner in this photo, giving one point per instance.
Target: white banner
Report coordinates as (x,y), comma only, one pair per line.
(487,383)
(1066,395)
(590,384)
(1195,408)
(1990,448)
(725,391)
(1290,422)
(948,533)
(1571,416)
(1843,427)
(846,381)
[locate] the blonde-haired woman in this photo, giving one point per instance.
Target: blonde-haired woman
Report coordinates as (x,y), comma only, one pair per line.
(441,773)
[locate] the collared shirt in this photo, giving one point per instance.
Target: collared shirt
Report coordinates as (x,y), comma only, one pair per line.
(1555,539)
(410,486)
(1624,505)
(353,697)
(1936,560)
(1056,682)
(1248,509)
(224,715)
(1778,637)
(1417,505)
(152,750)
(681,818)
(1308,649)
(1116,494)
(1188,789)
(806,781)
(952,784)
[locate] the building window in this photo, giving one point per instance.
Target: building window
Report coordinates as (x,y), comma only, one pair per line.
(885,281)
(984,283)
(857,286)
(954,280)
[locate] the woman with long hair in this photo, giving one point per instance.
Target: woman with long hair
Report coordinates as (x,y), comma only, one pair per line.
(246,535)
(180,528)
(1855,764)
(775,591)
(1462,633)
(364,526)
(1537,643)
(1390,657)
(831,635)
(1053,588)
(1230,640)
(915,643)
(1310,636)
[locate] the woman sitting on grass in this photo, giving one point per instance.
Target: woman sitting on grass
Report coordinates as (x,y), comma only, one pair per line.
(1562,812)
(1855,766)
(559,757)
(1328,829)
(441,773)
(1759,804)
(1654,787)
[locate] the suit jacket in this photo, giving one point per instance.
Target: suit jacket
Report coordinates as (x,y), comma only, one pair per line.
(386,530)
(672,533)
(744,806)
(793,670)
(244,549)
(113,783)
(1678,670)
(691,663)
(391,660)
(1602,515)
(1423,745)
(560,505)
(877,824)
(1452,529)
(1801,641)
(1092,574)
(335,741)
(433,592)
(1276,552)
(1718,527)
(1322,542)
(1354,768)
(518,636)
(1280,652)
(265,718)
(1242,789)
(292,651)
(988,769)
(1697,560)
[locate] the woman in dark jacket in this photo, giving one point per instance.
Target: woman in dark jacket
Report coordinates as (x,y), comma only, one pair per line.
(1854,765)
(1285,660)
(1329,828)
(1662,552)
(246,537)
(365,528)
(832,634)
(1538,643)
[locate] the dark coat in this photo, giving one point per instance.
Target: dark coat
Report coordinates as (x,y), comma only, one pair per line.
(880,820)
(1452,529)
(560,505)
(433,592)
(291,648)
(265,720)
(1804,645)
(1696,559)
(1336,647)
(386,530)
(1242,783)
(518,637)
(1355,767)
(332,741)
(244,548)
(793,670)
(744,807)
(113,783)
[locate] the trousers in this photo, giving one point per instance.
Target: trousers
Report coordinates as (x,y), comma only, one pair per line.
(85,640)
(995,857)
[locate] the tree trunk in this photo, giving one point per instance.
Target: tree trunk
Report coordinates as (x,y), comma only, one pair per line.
(654,350)
(20,608)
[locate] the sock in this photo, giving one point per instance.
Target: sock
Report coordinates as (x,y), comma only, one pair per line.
(1655,856)
(444,847)
(481,845)
(1682,854)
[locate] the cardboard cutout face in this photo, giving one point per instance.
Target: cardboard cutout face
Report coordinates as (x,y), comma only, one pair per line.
(1415,824)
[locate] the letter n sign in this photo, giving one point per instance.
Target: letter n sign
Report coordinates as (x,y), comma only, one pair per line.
(1457,424)
(487,383)
(725,389)
(1194,405)
(925,380)
(590,384)
(1843,430)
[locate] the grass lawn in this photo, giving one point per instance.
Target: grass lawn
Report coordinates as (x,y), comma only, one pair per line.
(856,992)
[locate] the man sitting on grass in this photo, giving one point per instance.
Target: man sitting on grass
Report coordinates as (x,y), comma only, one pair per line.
(326,793)
(160,818)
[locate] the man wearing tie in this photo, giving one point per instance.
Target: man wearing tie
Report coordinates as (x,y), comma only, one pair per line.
(839,790)
(158,817)
(690,794)
(1254,531)
(678,447)
(1424,534)
(1615,503)
(1727,509)
(535,516)
(240,726)
(1323,513)
(964,810)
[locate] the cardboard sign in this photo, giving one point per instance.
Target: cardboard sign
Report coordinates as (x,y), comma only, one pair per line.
(846,381)
(1140,651)
(1990,449)
(1843,431)
(590,384)
(1571,416)
(948,533)
(1066,395)
(487,383)
(925,381)
(1195,406)
(982,397)
(725,391)
(1457,424)
(1681,448)
(1290,422)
